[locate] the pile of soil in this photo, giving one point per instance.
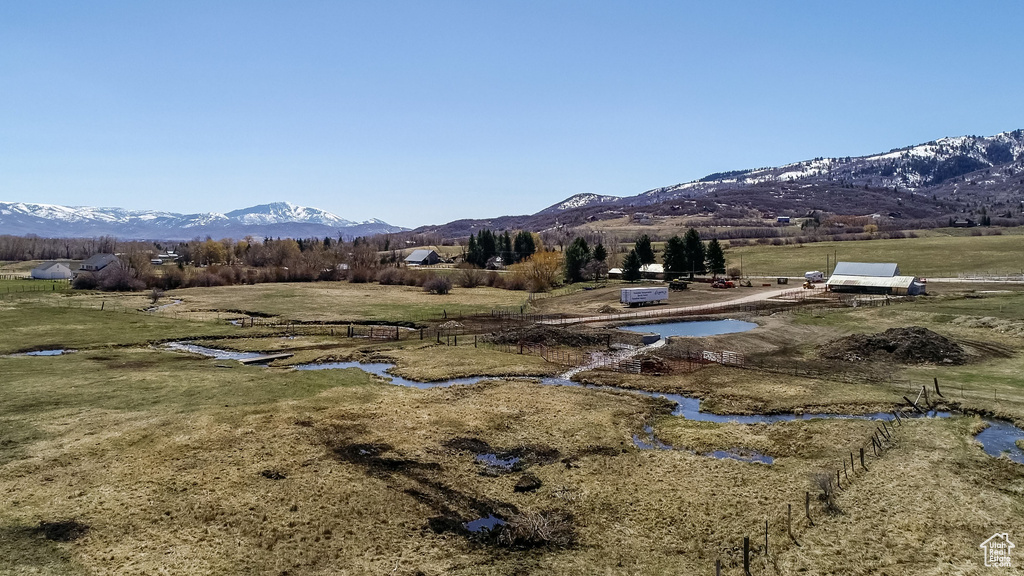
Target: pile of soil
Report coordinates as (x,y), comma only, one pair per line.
(551,336)
(654,365)
(913,345)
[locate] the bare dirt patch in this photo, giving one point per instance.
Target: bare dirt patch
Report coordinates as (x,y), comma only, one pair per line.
(62,530)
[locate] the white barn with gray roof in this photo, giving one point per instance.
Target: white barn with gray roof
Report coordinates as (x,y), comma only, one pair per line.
(873,278)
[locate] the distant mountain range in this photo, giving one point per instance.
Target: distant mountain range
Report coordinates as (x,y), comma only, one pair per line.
(278,219)
(934,180)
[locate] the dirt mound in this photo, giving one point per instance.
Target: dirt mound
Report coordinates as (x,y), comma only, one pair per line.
(551,336)
(913,345)
(654,365)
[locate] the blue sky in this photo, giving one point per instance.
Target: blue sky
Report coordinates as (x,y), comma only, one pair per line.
(424,112)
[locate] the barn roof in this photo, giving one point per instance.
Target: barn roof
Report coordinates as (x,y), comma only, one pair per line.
(420,255)
(47,266)
(876,269)
(871,281)
(99,260)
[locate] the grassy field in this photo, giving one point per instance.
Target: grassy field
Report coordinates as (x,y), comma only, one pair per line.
(181,464)
(341,301)
(935,256)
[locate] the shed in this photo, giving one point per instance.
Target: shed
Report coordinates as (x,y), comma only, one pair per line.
(422,257)
(97,262)
(51,271)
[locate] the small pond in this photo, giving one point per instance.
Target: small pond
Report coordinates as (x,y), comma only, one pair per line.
(381,369)
(695,328)
(490,522)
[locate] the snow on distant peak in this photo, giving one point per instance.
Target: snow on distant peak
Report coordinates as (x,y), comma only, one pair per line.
(580,200)
(286,212)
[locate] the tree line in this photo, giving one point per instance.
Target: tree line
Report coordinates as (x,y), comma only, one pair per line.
(688,255)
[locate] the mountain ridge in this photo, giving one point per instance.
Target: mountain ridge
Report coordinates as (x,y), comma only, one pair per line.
(947,177)
(273,219)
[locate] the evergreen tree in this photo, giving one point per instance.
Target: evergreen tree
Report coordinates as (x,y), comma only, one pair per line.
(576,257)
(600,254)
(473,251)
(715,258)
(693,248)
(631,266)
(523,246)
(674,258)
(506,248)
(488,246)
(644,250)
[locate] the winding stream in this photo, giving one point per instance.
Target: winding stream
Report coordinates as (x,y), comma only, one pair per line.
(998,438)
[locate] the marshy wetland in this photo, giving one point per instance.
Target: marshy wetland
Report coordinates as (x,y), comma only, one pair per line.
(135,455)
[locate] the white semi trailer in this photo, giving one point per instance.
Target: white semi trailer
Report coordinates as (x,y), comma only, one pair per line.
(642,296)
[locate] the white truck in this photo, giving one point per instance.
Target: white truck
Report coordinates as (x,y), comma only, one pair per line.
(642,296)
(814,276)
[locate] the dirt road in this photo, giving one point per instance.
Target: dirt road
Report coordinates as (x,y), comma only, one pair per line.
(682,310)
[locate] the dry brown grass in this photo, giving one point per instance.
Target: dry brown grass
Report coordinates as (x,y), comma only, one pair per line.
(162,456)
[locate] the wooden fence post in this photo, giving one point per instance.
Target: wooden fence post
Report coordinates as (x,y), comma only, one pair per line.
(862,459)
(807,507)
(718,567)
(766,537)
(789,523)
(746,555)
(937,388)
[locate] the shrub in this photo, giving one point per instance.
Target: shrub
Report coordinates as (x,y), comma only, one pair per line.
(495,280)
(85,281)
(438,285)
(119,278)
(536,529)
(390,276)
(823,480)
(360,275)
(517,282)
(470,277)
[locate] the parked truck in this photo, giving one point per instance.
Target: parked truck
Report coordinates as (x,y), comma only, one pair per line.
(643,296)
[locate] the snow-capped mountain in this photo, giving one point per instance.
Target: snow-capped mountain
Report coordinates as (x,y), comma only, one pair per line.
(276,219)
(579,201)
(281,212)
(939,163)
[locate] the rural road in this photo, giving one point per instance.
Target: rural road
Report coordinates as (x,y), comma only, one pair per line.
(656,312)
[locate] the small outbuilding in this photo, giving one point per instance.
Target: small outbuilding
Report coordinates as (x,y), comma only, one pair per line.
(51,271)
(97,262)
(656,271)
(422,257)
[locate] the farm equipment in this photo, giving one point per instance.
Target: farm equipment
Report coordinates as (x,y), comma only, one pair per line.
(677,285)
(719,283)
